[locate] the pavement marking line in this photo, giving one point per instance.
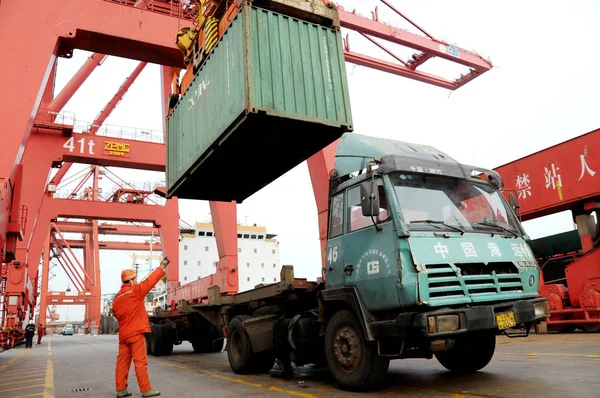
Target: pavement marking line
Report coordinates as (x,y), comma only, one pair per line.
(240,381)
(22,388)
(541,354)
(11,360)
(36,373)
(49,385)
(264,386)
(21,372)
(543,361)
(27,368)
(18,368)
(430,390)
(22,381)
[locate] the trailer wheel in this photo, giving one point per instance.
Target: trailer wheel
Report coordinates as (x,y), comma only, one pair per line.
(239,351)
(159,344)
(147,336)
(351,358)
(469,354)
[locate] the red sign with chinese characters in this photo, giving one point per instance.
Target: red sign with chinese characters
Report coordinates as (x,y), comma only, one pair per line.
(556,178)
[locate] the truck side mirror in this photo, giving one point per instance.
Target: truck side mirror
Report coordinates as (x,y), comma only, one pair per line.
(369,199)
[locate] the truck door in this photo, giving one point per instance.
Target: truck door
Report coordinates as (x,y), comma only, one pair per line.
(334,253)
(369,254)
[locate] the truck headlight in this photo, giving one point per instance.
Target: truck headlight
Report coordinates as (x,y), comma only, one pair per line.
(442,323)
(541,309)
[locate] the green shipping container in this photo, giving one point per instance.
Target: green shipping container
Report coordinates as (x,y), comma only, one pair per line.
(272,93)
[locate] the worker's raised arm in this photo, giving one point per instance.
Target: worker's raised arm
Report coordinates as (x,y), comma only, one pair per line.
(147,284)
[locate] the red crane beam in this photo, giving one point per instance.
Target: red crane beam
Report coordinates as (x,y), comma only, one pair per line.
(49,90)
(107,229)
(107,245)
(112,104)
(428,46)
(63,298)
(558,178)
(102,151)
(65,95)
(166,218)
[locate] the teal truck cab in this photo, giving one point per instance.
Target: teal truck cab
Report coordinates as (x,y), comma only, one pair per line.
(424,258)
(428,254)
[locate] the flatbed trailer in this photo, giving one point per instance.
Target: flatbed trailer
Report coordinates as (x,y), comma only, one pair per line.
(208,319)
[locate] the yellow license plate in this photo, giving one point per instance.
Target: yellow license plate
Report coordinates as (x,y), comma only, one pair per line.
(505,320)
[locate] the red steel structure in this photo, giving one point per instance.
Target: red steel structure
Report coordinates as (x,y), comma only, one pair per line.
(37,167)
(119,28)
(565,177)
(85,278)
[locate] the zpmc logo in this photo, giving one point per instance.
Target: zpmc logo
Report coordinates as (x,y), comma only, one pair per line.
(116,148)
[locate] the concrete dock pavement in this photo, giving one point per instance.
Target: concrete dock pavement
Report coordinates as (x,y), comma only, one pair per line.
(27,372)
(540,366)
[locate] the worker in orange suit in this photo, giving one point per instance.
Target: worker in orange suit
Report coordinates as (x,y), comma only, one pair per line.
(130,311)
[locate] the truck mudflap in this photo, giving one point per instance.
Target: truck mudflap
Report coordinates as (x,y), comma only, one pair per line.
(499,316)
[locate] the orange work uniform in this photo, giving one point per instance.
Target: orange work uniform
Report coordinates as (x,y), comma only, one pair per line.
(130,311)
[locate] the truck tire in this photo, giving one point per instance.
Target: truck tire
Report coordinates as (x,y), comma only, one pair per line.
(470,353)
(351,358)
(239,351)
(159,345)
(148,352)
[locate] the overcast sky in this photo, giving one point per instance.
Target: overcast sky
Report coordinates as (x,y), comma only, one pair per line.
(544,89)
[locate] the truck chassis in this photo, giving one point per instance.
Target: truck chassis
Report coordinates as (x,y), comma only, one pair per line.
(304,323)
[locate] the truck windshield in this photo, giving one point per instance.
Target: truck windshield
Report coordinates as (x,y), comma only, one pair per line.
(433,202)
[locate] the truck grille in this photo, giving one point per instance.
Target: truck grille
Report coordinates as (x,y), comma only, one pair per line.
(472,279)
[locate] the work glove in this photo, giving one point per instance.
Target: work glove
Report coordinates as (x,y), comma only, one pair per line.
(164,262)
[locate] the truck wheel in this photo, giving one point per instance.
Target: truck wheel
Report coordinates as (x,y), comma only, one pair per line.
(469,354)
(159,346)
(166,348)
(152,344)
(239,351)
(351,359)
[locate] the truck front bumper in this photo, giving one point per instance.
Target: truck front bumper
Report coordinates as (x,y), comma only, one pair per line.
(486,317)
(454,321)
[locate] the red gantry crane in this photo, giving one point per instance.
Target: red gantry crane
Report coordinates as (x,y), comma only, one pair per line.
(564,177)
(37,138)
